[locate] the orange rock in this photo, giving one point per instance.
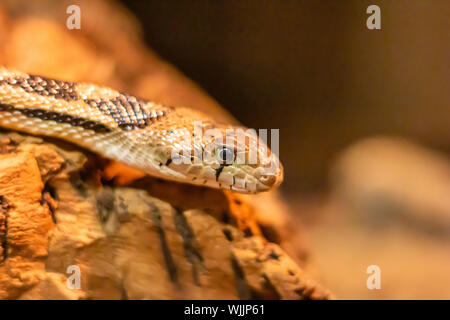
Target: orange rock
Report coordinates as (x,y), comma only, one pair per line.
(129,236)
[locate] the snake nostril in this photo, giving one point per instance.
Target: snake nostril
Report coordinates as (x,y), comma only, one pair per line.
(268,179)
(225,155)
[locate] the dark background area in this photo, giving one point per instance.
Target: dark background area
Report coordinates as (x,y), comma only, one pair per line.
(313,69)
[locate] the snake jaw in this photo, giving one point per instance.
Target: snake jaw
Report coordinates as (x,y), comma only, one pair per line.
(241,164)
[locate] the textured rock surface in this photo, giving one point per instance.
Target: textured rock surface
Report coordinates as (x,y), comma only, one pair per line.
(402,181)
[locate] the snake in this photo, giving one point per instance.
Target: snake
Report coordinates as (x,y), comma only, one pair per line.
(173,143)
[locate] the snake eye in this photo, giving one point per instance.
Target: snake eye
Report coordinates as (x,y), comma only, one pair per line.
(225,155)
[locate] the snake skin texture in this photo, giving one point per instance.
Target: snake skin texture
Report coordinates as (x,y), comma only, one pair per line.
(178,144)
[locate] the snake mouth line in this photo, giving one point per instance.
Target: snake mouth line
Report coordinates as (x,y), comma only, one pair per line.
(142,134)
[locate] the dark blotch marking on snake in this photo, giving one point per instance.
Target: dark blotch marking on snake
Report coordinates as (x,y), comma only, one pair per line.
(127,111)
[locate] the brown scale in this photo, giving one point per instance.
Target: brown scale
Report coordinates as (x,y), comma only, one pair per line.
(58,117)
(45,87)
(127,111)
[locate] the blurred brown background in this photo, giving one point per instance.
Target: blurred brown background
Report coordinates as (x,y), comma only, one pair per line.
(313,69)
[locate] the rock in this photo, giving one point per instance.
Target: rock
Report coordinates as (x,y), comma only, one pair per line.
(387,180)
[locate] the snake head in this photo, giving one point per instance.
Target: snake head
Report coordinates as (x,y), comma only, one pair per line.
(228,157)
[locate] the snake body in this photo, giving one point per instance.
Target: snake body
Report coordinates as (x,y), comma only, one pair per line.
(142,134)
